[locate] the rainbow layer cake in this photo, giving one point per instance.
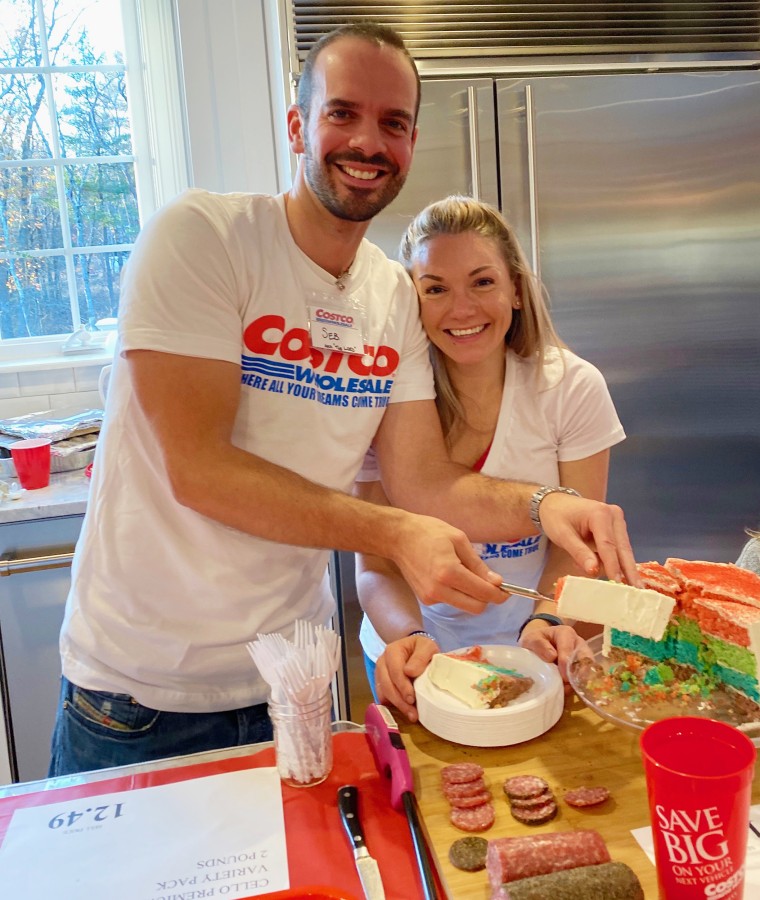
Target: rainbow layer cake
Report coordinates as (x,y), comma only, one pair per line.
(708,651)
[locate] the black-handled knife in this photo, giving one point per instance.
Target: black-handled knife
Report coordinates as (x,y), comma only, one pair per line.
(366,865)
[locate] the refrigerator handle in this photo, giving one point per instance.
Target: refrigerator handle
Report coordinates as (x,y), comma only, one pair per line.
(474,133)
(530,124)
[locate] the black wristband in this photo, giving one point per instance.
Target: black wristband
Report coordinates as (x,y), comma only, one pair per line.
(547,617)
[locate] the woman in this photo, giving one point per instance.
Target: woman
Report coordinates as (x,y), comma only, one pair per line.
(513,402)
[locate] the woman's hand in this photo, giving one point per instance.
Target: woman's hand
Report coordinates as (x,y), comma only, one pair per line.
(554,644)
(402,661)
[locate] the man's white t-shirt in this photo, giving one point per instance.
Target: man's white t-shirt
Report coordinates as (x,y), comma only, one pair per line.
(164,599)
(567,414)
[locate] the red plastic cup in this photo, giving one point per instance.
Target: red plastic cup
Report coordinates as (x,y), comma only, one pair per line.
(699,781)
(32,461)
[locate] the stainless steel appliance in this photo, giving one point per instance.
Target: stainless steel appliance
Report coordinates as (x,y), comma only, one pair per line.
(637,196)
(35,575)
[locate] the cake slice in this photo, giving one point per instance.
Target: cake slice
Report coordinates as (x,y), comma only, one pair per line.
(639,610)
(479,684)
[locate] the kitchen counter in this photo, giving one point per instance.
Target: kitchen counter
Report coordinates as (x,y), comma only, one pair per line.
(66,495)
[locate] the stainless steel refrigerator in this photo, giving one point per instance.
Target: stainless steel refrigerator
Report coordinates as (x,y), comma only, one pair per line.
(637,198)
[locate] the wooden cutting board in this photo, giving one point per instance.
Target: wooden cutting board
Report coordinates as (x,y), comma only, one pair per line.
(581,750)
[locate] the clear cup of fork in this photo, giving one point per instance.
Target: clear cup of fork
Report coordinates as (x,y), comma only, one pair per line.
(303,739)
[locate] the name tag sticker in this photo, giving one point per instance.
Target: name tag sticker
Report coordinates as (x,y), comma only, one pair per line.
(336,329)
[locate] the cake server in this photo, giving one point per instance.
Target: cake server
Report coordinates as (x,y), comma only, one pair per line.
(366,865)
(392,761)
(524,592)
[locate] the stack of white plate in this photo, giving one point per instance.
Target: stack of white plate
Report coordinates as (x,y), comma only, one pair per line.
(526,717)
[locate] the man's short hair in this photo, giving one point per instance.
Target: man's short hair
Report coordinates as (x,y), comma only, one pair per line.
(366,31)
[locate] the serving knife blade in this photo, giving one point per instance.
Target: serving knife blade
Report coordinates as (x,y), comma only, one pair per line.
(524,592)
(366,865)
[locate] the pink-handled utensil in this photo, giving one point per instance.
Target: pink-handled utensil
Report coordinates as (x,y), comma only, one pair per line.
(392,761)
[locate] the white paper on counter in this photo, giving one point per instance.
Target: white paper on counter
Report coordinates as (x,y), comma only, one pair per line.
(752,863)
(218,836)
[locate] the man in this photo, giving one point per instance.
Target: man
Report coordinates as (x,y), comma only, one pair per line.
(215,496)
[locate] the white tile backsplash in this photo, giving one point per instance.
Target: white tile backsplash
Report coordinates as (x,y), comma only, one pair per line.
(22,406)
(86,399)
(47,381)
(25,392)
(9,386)
(86,378)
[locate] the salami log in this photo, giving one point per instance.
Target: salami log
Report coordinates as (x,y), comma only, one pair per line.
(611,881)
(512,858)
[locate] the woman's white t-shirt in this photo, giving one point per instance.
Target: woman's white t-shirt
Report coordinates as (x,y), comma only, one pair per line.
(566,415)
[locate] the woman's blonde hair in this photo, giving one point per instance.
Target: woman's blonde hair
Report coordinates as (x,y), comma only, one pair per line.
(531,331)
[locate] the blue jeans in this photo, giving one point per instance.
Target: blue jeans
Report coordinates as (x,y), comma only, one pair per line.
(97,730)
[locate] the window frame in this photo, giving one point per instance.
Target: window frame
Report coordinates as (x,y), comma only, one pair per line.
(159,141)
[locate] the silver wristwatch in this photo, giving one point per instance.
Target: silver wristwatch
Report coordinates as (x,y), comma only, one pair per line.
(535,500)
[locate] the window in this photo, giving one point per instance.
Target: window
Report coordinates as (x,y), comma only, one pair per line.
(69,174)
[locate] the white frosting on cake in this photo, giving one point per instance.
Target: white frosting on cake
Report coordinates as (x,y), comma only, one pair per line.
(620,606)
(754,643)
(459,677)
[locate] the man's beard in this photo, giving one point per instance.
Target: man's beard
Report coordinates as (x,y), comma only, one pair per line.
(357,205)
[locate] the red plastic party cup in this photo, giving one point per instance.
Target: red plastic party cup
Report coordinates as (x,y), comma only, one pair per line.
(32,461)
(699,781)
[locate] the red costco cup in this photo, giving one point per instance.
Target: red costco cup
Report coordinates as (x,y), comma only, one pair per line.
(32,461)
(699,781)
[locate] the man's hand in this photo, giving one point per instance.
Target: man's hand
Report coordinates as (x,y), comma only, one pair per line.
(554,644)
(593,533)
(402,662)
(441,566)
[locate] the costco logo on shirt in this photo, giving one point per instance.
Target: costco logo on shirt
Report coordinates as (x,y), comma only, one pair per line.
(283,361)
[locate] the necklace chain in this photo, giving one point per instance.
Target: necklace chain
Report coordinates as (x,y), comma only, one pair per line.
(340,281)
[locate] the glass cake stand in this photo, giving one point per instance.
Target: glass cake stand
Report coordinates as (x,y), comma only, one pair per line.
(599,684)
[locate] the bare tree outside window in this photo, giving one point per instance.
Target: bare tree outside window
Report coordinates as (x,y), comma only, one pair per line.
(68,203)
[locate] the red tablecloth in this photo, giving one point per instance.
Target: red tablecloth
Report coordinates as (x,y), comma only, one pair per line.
(318,849)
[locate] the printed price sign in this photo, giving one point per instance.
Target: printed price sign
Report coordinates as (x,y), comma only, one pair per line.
(222,837)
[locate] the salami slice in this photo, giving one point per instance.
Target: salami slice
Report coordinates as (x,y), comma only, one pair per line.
(512,858)
(613,881)
(586,796)
(528,802)
(480,818)
(522,787)
(460,773)
(466,789)
(469,853)
(471,802)
(535,815)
